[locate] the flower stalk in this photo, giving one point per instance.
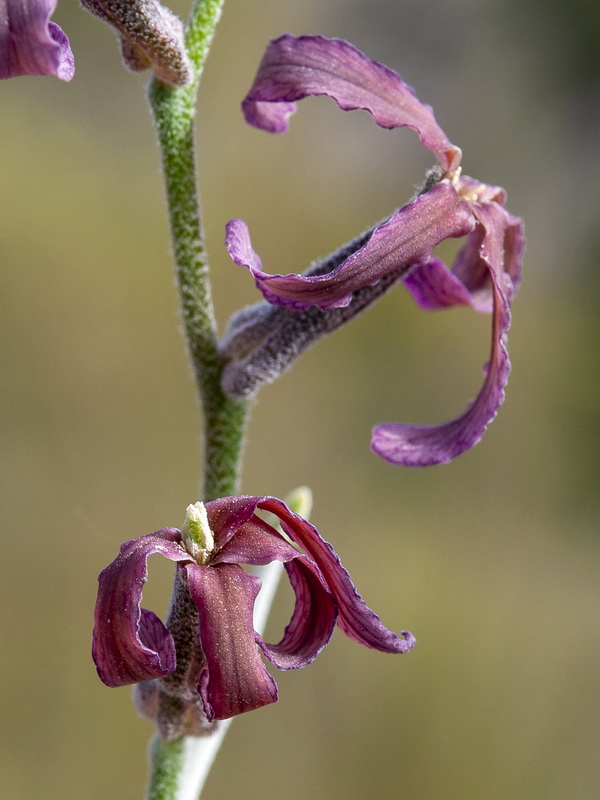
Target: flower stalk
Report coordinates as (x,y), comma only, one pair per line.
(174,111)
(179,768)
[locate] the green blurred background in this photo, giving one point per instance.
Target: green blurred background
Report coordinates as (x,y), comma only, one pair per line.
(491,561)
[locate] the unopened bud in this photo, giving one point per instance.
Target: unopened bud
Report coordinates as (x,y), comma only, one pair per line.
(151,37)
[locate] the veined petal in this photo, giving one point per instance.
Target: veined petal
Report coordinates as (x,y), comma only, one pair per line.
(355,619)
(312,622)
(131,644)
(255,542)
(407,237)
(425,445)
(296,67)
(227,514)
(30,44)
(233,678)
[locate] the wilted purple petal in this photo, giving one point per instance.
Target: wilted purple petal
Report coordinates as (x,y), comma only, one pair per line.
(355,619)
(131,644)
(313,620)
(471,266)
(293,68)
(433,286)
(425,445)
(233,678)
(406,238)
(30,44)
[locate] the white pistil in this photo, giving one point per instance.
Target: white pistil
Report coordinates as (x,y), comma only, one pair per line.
(197,535)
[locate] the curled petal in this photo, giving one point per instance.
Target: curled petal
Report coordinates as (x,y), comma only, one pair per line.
(496,243)
(312,622)
(131,644)
(233,678)
(355,619)
(293,68)
(433,286)
(407,237)
(30,44)
(425,445)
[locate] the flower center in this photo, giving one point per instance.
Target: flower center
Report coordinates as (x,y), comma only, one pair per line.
(470,190)
(198,538)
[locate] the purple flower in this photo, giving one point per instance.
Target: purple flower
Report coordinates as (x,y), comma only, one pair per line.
(30,44)
(210,645)
(486,272)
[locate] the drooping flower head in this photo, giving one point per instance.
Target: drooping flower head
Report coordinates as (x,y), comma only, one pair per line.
(30,44)
(206,665)
(486,272)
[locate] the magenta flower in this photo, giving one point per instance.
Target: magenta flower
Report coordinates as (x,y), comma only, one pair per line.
(211,656)
(486,272)
(30,44)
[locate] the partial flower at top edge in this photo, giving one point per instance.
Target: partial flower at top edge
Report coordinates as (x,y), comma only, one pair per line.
(486,273)
(30,44)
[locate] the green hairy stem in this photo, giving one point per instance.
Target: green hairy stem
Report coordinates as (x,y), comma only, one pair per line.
(179,768)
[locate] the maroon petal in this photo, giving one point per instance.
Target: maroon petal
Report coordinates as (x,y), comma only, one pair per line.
(256,543)
(131,644)
(30,44)
(233,678)
(355,618)
(312,622)
(227,514)
(500,249)
(293,68)
(409,236)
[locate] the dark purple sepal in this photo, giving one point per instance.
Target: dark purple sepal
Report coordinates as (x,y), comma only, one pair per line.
(30,44)
(232,679)
(131,644)
(296,67)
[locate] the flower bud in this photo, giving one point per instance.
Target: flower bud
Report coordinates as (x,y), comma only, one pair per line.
(151,37)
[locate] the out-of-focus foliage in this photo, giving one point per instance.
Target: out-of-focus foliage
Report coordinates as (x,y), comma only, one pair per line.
(492,561)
